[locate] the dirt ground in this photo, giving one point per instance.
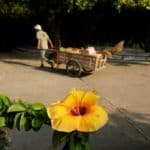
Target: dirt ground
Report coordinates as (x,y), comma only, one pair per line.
(124,88)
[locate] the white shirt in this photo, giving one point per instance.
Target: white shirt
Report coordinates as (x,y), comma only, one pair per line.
(42,38)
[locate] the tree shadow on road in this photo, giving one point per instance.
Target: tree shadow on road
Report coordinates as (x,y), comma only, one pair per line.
(21,56)
(121,133)
(124,132)
(16,63)
(60,71)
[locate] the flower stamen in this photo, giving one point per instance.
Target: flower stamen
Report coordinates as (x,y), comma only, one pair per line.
(78,110)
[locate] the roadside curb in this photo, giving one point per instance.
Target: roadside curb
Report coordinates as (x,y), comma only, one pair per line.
(127,56)
(131,56)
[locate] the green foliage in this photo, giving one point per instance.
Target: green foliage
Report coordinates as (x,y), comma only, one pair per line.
(79,141)
(51,7)
(2,121)
(36,123)
(14,8)
(4,104)
(58,138)
(38,106)
(16,108)
(119,4)
(20,115)
(71,141)
(81,4)
(5,100)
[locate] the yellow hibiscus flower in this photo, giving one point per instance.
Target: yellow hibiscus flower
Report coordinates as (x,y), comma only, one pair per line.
(78,111)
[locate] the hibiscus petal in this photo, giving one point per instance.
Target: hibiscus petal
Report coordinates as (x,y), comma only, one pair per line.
(57,111)
(67,123)
(90,98)
(74,98)
(94,120)
(77,94)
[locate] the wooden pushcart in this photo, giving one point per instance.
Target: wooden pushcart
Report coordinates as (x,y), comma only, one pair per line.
(76,63)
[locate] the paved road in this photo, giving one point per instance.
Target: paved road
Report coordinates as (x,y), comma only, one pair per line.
(124,89)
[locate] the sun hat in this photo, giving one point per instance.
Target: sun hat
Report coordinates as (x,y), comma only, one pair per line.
(38,27)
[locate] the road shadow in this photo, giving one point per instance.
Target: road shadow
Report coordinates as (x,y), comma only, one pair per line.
(21,55)
(60,71)
(119,134)
(18,59)
(17,63)
(123,132)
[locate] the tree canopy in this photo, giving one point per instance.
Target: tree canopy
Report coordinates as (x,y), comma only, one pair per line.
(76,21)
(14,7)
(119,4)
(30,7)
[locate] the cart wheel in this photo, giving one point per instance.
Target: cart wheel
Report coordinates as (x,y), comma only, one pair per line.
(87,70)
(73,68)
(51,63)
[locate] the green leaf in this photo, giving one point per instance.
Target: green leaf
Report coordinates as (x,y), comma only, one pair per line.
(17,121)
(58,138)
(79,141)
(16,108)
(37,106)
(28,125)
(32,112)
(2,121)
(3,108)
(23,121)
(43,112)
(75,143)
(20,101)
(5,100)
(78,146)
(87,145)
(36,123)
(84,138)
(1,104)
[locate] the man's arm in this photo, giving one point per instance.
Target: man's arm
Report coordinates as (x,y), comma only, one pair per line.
(50,42)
